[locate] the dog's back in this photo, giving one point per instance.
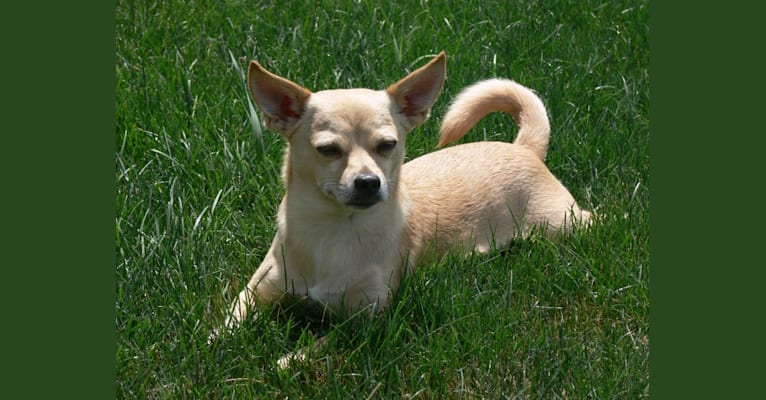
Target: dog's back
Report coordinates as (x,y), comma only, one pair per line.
(484,194)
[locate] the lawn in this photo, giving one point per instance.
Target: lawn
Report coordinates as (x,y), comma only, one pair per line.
(198,183)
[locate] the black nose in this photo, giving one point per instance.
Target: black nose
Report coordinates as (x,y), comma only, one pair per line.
(367,184)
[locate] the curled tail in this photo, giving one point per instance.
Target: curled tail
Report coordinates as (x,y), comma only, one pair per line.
(481,98)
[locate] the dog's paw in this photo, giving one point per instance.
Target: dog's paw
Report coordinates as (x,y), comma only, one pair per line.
(290,358)
(215,334)
(587,218)
(302,354)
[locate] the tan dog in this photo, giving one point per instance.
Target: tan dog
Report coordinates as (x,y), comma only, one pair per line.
(354,216)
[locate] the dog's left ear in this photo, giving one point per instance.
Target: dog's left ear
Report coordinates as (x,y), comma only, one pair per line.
(416,93)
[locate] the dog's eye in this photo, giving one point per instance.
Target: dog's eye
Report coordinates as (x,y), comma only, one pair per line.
(385,146)
(329,150)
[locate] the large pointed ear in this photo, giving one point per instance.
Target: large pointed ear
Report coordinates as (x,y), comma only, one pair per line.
(280,100)
(416,93)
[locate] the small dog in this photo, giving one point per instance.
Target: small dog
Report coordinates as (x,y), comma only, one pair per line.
(354,217)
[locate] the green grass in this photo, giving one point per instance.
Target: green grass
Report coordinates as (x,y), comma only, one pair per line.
(198,184)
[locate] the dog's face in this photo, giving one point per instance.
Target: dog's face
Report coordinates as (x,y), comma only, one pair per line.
(348,143)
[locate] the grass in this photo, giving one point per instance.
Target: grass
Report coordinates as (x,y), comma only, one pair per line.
(198,183)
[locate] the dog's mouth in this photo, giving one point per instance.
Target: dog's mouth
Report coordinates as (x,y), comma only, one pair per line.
(363,203)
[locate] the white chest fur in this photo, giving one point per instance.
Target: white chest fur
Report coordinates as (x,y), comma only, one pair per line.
(347,258)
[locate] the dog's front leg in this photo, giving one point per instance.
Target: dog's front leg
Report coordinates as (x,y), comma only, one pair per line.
(265,286)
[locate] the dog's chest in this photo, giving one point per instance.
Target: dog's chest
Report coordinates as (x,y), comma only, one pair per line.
(333,257)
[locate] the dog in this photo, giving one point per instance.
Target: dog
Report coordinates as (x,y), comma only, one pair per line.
(355,217)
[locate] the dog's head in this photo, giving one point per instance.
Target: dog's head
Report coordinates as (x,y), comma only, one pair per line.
(347,143)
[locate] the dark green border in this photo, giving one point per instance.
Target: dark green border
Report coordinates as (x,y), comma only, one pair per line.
(706,172)
(662,147)
(58,200)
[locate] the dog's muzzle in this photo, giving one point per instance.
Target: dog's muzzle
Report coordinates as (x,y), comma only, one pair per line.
(366,192)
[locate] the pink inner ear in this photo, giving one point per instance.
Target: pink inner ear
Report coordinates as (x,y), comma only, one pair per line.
(286,108)
(417,98)
(408,108)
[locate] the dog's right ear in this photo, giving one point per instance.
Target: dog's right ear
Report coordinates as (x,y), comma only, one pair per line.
(280,100)
(416,93)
